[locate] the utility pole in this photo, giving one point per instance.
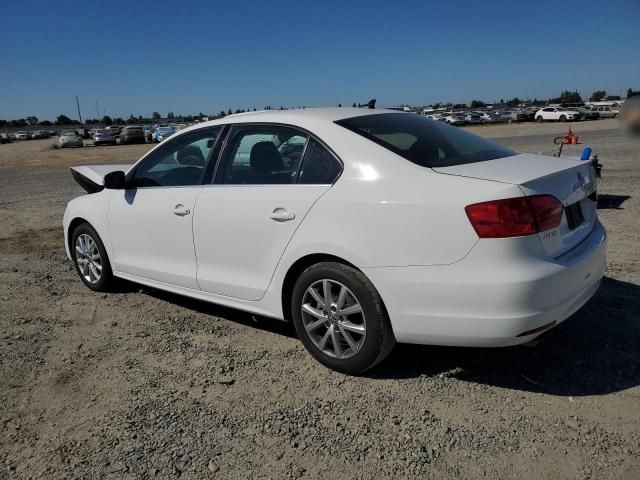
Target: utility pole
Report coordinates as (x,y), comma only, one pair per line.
(97,110)
(79,114)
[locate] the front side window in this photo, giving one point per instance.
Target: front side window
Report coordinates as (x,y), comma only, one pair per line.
(262,155)
(179,163)
(425,142)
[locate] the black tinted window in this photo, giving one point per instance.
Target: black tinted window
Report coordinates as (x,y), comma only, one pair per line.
(423,141)
(318,165)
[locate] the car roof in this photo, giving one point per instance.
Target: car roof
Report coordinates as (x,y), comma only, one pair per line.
(302,117)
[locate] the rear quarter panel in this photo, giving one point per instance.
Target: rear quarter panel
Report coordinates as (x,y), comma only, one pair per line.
(387,211)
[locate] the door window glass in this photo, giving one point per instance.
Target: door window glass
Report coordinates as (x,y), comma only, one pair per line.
(319,166)
(262,155)
(179,163)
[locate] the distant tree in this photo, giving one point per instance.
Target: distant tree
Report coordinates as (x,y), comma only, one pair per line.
(222,114)
(460,105)
(254,109)
(339,105)
(32,120)
(156,116)
(229,112)
(567,96)
(632,93)
(171,115)
(597,96)
(118,121)
(64,120)
(502,100)
(107,120)
(46,123)
(354,105)
(613,97)
(477,104)
(4,123)
(513,101)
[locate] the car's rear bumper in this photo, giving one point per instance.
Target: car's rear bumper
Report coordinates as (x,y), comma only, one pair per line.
(484,302)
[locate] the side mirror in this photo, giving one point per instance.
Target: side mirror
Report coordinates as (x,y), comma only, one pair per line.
(114,180)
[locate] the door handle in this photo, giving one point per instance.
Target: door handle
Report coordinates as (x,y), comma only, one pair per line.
(181,210)
(282,215)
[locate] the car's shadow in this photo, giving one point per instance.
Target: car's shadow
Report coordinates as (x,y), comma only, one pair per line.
(595,352)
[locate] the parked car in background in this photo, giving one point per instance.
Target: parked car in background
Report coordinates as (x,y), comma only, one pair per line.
(84,133)
(484,116)
(5,138)
(511,116)
(454,118)
(604,111)
(40,134)
(148,132)
(113,130)
(558,114)
(102,136)
(70,138)
(435,116)
(473,118)
(23,135)
(132,134)
(161,133)
(483,246)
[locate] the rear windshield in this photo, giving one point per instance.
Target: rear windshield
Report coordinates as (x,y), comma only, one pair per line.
(423,141)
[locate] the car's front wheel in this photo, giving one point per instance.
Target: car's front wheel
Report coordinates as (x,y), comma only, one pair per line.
(563,118)
(340,318)
(539,119)
(90,258)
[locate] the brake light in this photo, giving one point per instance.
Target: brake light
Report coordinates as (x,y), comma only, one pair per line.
(515,217)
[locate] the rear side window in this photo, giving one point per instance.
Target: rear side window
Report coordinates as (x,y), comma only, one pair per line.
(425,142)
(319,166)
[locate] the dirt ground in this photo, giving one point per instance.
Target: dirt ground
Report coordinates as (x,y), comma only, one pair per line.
(145,384)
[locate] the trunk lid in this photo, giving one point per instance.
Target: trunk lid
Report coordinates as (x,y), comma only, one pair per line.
(573,182)
(91,177)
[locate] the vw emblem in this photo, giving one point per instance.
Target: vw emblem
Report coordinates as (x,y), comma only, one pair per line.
(582,182)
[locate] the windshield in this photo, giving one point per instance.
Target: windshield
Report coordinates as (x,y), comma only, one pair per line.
(423,141)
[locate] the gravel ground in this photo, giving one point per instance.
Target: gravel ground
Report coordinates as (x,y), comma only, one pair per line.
(145,384)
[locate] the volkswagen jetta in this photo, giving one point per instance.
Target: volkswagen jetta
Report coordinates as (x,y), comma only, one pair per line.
(363,227)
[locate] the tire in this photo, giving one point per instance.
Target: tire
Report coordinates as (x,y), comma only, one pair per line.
(539,119)
(371,347)
(87,275)
(563,118)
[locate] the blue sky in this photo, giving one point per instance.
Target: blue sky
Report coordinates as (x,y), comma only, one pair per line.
(135,57)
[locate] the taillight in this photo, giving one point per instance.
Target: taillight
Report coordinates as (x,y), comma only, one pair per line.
(515,217)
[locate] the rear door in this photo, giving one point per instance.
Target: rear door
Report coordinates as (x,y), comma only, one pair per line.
(268,178)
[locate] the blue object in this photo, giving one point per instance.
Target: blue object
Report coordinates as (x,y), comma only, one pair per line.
(586,153)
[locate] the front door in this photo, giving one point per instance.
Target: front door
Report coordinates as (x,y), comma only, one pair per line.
(151,222)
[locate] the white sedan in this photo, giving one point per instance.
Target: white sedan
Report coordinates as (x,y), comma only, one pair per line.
(559,114)
(363,227)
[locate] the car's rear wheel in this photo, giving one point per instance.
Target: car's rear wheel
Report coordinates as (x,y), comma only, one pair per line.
(539,119)
(340,318)
(90,258)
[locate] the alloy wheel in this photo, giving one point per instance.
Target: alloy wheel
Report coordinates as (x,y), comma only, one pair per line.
(333,319)
(88,258)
